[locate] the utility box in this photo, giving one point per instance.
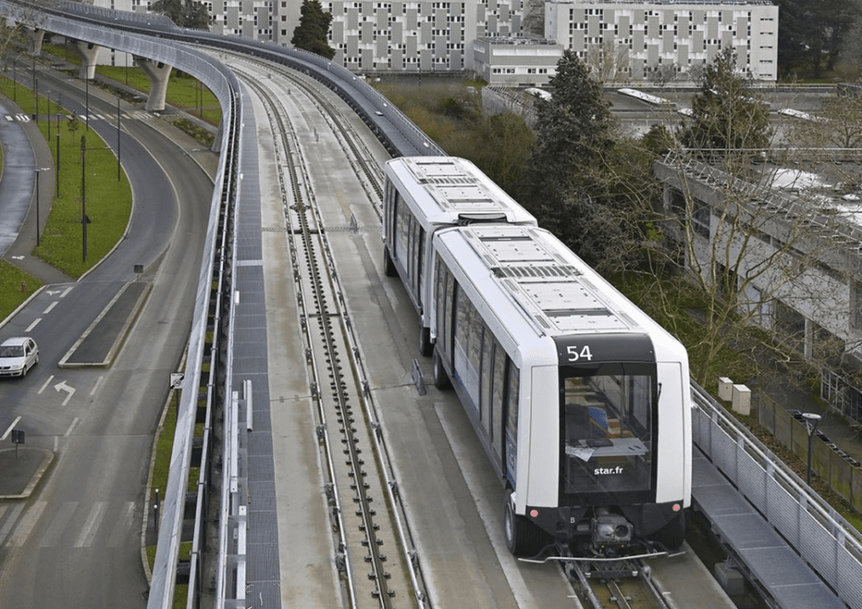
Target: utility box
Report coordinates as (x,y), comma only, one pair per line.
(725,389)
(730,579)
(741,400)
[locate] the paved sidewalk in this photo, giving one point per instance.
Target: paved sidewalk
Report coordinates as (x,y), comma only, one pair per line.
(835,426)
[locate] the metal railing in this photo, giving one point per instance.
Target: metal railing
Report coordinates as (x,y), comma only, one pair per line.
(827,542)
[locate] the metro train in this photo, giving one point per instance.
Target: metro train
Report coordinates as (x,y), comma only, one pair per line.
(581,401)
(423,195)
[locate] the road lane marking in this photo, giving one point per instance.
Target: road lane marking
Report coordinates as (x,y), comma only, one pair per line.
(9,430)
(10,522)
(97,386)
(88,531)
(48,382)
(62,386)
(74,424)
(33,325)
(26,524)
(50,308)
(66,291)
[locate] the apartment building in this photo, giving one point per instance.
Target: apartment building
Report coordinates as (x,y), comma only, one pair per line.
(515,61)
(659,41)
(789,245)
(666,39)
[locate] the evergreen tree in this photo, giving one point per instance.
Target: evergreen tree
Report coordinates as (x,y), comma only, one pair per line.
(726,115)
(562,185)
(313,29)
(851,45)
(810,34)
(185,13)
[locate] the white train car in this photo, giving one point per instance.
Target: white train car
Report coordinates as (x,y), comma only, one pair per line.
(581,400)
(423,195)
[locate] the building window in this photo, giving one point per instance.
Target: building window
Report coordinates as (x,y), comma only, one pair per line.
(700,215)
(856,306)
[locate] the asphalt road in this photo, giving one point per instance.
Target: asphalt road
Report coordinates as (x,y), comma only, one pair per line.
(76,541)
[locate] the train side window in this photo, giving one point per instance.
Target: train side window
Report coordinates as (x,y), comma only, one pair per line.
(440,293)
(390,198)
(514,383)
(420,263)
(402,231)
(445,295)
(497,393)
(466,347)
(487,381)
(410,261)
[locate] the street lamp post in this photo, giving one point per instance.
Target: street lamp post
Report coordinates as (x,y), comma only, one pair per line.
(811,421)
(38,172)
(35,93)
(57,163)
(119,168)
(84,219)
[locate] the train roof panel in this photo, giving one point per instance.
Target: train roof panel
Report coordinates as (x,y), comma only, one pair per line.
(558,291)
(450,190)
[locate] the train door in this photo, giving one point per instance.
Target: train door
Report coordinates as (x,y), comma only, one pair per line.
(420,263)
(511,380)
(486,381)
(414,264)
(445,295)
(388,210)
(493,396)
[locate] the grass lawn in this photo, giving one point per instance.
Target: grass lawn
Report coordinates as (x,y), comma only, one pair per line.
(184,91)
(107,200)
(15,287)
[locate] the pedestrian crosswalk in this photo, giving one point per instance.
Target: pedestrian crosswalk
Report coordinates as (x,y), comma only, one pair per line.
(138,115)
(71,524)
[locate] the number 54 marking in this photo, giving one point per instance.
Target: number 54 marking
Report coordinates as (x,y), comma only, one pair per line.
(576,353)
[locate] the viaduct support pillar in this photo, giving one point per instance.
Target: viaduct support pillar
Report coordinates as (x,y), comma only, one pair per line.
(87,52)
(158,73)
(37,37)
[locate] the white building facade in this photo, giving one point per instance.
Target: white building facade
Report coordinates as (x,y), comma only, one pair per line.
(625,41)
(515,62)
(642,41)
(414,36)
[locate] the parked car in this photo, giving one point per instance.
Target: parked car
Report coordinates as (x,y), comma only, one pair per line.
(18,355)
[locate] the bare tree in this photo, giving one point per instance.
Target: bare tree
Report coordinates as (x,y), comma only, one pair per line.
(609,62)
(17,29)
(534,18)
(754,239)
(838,124)
(662,74)
(757,258)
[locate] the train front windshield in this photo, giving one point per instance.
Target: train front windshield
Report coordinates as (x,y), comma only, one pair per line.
(608,431)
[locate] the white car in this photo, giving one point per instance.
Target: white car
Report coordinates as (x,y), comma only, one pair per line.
(18,355)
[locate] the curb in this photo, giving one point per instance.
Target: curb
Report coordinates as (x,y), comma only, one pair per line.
(47,459)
